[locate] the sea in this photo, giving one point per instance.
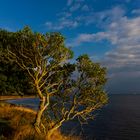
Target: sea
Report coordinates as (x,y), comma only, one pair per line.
(118,120)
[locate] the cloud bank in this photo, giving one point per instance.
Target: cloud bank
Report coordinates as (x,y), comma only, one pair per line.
(121,30)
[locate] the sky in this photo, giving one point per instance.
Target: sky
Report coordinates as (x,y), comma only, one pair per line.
(107,30)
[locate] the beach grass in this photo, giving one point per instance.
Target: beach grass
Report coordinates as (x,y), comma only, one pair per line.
(16,123)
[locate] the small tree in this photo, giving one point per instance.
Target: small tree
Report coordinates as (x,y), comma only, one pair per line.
(66,91)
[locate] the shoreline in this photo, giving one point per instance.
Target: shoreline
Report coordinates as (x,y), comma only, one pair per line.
(2,98)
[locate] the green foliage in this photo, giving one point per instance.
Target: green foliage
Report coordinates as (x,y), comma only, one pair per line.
(43,59)
(13,79)
(91,80)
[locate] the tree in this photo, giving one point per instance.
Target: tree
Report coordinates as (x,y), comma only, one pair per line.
(13,79)
(66,91)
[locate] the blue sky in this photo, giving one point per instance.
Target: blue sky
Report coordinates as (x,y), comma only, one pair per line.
(107,30)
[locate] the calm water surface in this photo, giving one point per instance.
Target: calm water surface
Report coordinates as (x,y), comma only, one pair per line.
(119,120)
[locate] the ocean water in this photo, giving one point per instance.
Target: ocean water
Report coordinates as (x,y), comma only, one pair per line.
(26,102)
(119,120)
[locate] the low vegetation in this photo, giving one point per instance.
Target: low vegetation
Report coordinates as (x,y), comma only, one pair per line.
(16,123)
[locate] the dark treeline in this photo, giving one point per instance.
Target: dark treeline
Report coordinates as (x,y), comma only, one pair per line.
(13,80)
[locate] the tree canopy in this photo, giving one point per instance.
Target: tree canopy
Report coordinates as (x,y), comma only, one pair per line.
(13,79)
(66,90)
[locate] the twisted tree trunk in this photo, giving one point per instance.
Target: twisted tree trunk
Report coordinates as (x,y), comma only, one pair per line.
(53,129)
(41,109)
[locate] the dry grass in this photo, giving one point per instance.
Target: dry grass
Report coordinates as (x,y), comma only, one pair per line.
(58,136)
(16,123)
(19,121)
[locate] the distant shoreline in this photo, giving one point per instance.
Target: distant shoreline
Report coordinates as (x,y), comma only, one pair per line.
(2,98)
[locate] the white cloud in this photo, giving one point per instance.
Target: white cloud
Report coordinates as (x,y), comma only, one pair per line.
(136,11)
(128,1)
(85,8)
(63,23)
(127,34)
(85,37)
(67,17)
(122,32)
(102,17)
(75,7)
(69,2)
(80,0)
(64,14)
